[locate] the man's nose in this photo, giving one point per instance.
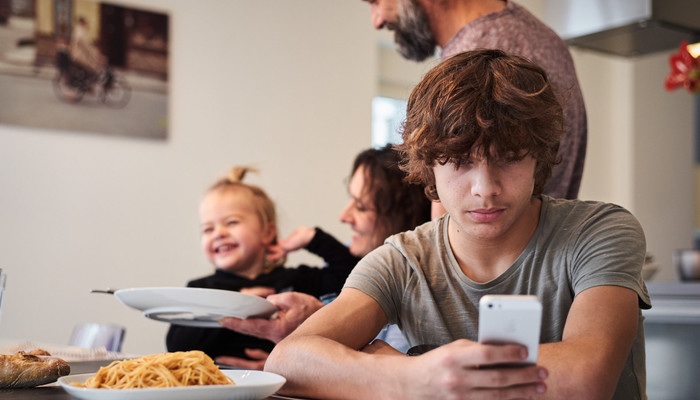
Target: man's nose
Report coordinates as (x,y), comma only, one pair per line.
(376,17)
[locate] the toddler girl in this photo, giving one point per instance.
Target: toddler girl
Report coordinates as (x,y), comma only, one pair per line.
(238,228)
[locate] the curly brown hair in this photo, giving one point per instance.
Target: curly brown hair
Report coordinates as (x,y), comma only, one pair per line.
(482,102)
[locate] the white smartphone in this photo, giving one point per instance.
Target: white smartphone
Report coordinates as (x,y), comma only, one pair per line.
(506,319)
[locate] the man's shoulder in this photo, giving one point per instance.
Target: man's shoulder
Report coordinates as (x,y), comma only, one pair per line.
(513,29)
(513,18)
(514,12)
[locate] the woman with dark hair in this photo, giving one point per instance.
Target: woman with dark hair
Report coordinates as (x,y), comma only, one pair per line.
(381,202)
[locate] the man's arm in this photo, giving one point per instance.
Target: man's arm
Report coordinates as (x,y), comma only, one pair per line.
(598,336)
(321,359)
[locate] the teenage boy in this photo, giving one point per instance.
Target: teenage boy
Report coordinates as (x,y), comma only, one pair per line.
(482,132)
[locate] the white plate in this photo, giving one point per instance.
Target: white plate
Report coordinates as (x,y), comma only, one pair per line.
(194,306)
(189,316)
(250,385)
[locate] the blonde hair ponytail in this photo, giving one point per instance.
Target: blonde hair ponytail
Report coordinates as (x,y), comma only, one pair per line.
(236,174)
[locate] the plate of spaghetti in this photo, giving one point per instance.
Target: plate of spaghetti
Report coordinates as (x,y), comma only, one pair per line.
(194,306)
(177,376)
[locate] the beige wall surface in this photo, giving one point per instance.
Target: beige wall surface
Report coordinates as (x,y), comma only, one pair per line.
(286,87)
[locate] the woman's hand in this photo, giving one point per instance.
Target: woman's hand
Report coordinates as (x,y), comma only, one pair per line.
(293,309)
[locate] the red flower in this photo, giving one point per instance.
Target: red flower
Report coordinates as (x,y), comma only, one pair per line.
(685,70)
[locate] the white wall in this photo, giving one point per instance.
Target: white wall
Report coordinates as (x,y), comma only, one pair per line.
(640,150)
(283,85)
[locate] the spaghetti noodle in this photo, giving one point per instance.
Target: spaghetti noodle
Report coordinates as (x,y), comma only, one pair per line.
(182,368)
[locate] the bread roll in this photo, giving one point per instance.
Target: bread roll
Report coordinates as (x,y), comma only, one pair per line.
(23,370)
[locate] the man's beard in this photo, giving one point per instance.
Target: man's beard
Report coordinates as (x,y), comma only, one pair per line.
(412,34)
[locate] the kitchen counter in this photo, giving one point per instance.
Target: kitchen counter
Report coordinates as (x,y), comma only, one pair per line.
(677,289)
(672,332)
(673,302)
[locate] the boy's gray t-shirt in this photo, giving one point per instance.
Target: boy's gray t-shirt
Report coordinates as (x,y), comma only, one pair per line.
(577,245)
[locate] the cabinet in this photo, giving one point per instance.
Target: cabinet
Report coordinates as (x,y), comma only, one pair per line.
(672,334)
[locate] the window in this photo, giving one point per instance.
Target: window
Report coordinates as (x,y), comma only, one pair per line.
(387,116)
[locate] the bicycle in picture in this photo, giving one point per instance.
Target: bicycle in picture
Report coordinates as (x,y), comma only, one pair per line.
(73,81)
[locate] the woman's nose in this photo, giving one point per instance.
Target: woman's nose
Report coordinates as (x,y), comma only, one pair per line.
(346,214)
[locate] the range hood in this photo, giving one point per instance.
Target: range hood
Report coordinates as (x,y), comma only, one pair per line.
(624,27)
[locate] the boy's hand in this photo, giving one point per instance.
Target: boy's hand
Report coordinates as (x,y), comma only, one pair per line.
(472,371)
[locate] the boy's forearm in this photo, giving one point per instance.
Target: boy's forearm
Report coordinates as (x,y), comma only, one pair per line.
(578,372)
(316,367)
(597,341)
(321,368)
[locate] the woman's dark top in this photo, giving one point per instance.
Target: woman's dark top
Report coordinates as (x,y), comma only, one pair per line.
(311,280)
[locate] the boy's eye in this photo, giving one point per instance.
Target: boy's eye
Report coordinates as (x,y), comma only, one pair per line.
(510,160)
(512,157)
(207,230)
(462,162)
(231,222)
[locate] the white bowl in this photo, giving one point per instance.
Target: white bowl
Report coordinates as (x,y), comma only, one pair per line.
(687,263)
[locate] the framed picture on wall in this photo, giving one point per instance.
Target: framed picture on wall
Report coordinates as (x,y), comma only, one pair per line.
(85,66)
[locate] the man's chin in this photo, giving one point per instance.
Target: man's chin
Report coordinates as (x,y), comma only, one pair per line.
(413,52)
